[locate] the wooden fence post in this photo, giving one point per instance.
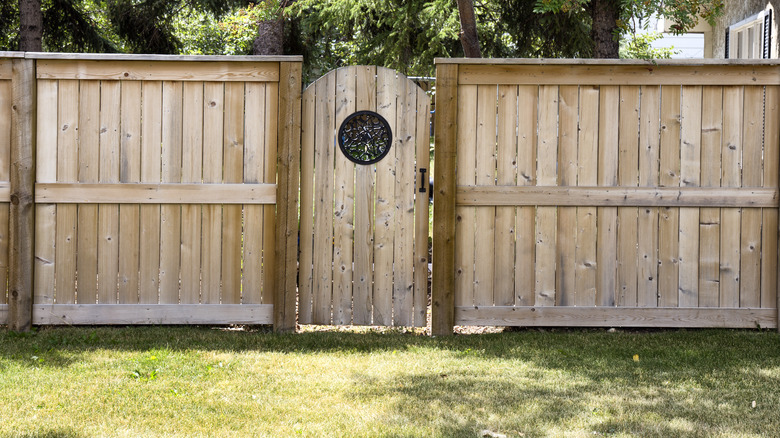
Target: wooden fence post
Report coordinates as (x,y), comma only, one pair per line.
(288,168)
(22,211)
(443,282)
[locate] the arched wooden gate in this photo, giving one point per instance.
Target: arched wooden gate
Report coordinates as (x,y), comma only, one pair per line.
(364,227)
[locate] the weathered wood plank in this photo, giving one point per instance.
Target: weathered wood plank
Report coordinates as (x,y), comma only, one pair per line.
(443,290)
(422,161)
(484,233)
(343,220)
(546,173)
(129,172)
(306,258)
(731,159)
(88,164)
(45,215)
(108,214)
(647,221)
(170,215)
(466,174)
(166,193)
(709,228)
(504,278)
(621,317)
(130,70)
(669,218)
(254,165)
(157,314)
(211,222)
(606,262)
(525,257)
(565,278)
(192,172)
(363,279)
(151,137)
(6,105)
(272,138)
(752,154)
(690,176)
(233,172)
(587,175)
(628,176)
(769,235)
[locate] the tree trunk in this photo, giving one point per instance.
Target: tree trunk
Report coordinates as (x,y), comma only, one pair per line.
(30,26)
(605,14)
(468,29)
(270,34)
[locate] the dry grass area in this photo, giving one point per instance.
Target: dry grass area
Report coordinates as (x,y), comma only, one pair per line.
(205,381)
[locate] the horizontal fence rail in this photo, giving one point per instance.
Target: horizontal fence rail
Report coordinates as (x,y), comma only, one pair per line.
(587,193)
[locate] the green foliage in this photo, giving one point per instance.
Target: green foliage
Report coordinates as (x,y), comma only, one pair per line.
(639,46)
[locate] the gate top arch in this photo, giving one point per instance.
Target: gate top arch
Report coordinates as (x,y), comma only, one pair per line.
(364,251)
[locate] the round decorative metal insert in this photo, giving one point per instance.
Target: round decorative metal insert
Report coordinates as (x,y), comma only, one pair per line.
(365,137)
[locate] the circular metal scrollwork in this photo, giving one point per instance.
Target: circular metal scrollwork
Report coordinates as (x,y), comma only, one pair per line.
(365,137)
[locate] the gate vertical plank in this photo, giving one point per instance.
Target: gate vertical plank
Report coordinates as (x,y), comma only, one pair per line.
(46,172)
(484,235)
(567,176)
(170,215)
(769,255)
(423,132)
(323,196)
(444,287)
(363,279)
(647,222)
(129,172)
(192,172)
(464,223)
(547,163)
(254,167)
(151,137)
(709,230)
(233,163)
(88,159)
(385,195)
(525,258)
(504,278)
(343,219)
(108,214)
(306,260)
(606,264)
(273,124)
(731,218)
(690,169)
(6,105)
(211,222)
(587,159)
(628,176)
(750,260)
(403,248)
(669,218)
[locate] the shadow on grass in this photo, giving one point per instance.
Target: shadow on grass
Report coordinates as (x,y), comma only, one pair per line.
(55,433)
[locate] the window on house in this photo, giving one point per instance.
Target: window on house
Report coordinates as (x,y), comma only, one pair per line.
(750,38)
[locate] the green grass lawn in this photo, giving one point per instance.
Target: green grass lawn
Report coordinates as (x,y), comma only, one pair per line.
(200,381)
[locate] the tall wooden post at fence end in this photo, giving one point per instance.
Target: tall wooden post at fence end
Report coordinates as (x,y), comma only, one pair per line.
(288,168)
(443,282)
(22,210)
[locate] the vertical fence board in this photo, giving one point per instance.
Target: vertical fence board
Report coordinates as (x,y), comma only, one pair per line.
(464,224)
(211,222)
(151,138)
(709,229)
(192,172)
(504,278)
(272,124)
(403,248)
(254,166)
(731,158)
(567,176)
(323,199)
(647,222)
(88,163)
(129,172)
(525,229)
(750,258)
(46,172)
(769,235)
(423,132)
(690,165)
(606,263)
(363,281)
(547,164)
(343,219)
(67,171)
(108,214)
(233,162)
(628,176)
(484,234)
(6,104)
(170,215)
(587,175)
(306,258)
(669,218)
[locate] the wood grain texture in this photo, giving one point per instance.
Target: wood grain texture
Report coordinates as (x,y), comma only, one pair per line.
(151,137)
(606,262)
(525,256)
(129,172)
(505,249)
(464,224)
(157,314)
(306,258)
(45,215)
(484,233)
(132,70)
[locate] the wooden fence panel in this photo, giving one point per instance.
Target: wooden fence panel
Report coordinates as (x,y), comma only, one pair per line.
(625,131)
(6,102)
(155,261)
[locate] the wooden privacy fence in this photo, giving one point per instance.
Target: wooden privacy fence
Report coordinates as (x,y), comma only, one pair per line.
(588,193)
(157,183)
